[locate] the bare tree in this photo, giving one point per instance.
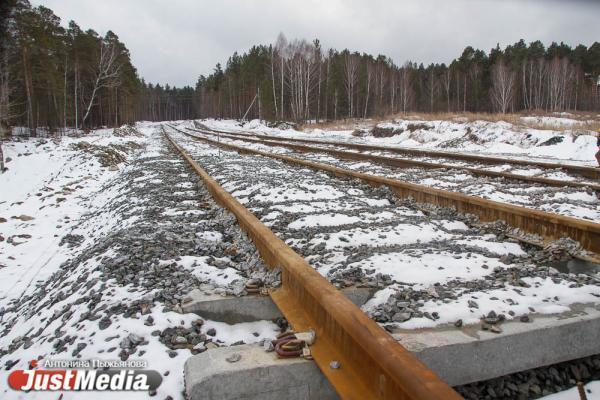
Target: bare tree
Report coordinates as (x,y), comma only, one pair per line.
(370,73)
(106,73)
(406,89)
(560,83)
(319,61)
(446,83)
(503,86)
(272,79)
(301,79)
(281,46)
(351,74)
(393,75)
(432,87)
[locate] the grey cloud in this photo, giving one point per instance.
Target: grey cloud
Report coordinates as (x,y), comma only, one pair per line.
(176,41)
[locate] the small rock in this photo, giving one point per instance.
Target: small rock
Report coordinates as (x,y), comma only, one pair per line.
(135,339)
(80,346)
(179,340)
(104,323)
(492,318)
(124,355)
(199,348)
(495,329)
(473,304)
(235,357)
(401,316)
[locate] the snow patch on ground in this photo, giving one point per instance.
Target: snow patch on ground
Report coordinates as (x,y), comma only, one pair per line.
(492,138)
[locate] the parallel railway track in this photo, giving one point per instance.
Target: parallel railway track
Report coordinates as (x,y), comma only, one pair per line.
(391,161)
(373,364)
(584,171)
(547,225)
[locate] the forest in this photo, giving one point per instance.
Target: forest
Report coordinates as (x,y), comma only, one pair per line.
(54,78)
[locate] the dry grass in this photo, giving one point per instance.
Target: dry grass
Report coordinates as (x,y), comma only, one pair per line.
(587,121)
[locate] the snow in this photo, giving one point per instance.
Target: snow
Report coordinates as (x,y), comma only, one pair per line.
(592,390)
(56,190)
(577,204)
(55,186)
(541,296)
(407,250)
(423,269)
(398,235)
(51,190)
(501,138)
(556,122)
(211,236)
(307,192)
(498,248)
(207,273)
(336,219)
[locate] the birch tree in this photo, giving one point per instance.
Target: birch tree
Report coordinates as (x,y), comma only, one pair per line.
(503,86)
(350,78)
(106,72)
(369,77)
(406,89)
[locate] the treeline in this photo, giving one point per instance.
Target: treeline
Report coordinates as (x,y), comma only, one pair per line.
(53,78)
(298,80)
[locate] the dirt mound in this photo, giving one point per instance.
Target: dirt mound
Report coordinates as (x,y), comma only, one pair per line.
(380,132)
(110,155)
(283,125)
(126,130)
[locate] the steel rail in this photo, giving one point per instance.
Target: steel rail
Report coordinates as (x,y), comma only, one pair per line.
(548,225)
(399,162)
(588,172)
(372,365)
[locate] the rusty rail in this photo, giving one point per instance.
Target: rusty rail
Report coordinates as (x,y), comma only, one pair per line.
(588,172)
(373,364)
(548,225)
(398,162)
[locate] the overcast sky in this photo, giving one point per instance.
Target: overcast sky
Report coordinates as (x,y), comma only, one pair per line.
(174,41)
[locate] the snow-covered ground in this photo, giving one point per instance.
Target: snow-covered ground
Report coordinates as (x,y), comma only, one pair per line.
(352,234)
(568,144)
(48,189)
(102,236)
(592,391)
(74,213)
(578,202)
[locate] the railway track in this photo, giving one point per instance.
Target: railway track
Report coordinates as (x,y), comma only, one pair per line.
(375,230)
(584,171)
(579,201)
(546,225)
(373,365)
(392,161)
